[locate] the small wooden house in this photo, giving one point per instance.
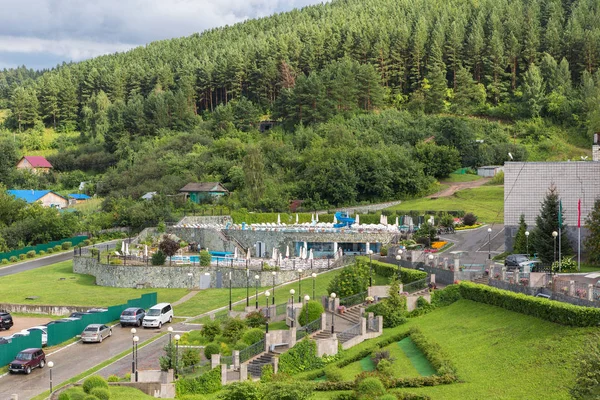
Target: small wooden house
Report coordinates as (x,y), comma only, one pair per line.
(36,164)
(46,197)
(199,192)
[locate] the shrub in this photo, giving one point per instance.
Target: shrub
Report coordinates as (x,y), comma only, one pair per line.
(41,253)
(113,378)
(434,353)
(253,335)
(21,256)
(586,383)
(233,329)
(288,391)
(211,329)
(12,259)
(446,296)
(344,396)
(351,280)
(207,383)
(241,391)
(93,382)
(190,357)
(90,397)
(385,367)
(66,245)
(388,397)
(255,319)
(94,252)
(210,349)
(57,248)
(30,254)
(370,388)
(50,250)
(310,312)
(380,355)
(301,357)
(4,261)
(100,393)
(78,396)
(383,251)
(86,242)
(469,219)
(205,258)
(267,373)
(63,396)
(333,374)
(158,258)
(550,310)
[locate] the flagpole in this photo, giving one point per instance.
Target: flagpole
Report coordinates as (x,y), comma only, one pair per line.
(579,236)
(559,235)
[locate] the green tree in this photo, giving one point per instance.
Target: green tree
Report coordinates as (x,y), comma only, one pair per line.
(520,245)
(546,223)
(592,242)
(438,161)
(533,90)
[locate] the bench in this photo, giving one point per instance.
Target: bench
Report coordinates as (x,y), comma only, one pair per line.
(274,345)
(546,296)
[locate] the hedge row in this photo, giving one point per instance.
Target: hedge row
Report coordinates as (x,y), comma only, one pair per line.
(434,353)
(550,310)
(407,275)
(207,383)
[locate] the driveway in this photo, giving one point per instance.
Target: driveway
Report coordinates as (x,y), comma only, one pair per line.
(71,361)
(475,243)
(24,323)
(44,261)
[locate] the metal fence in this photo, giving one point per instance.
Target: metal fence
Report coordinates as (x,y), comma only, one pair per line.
(252,350)
(195,370)
(353,300)
(227,360)
(372,325)
(416,285)
(349,333)
(8,351)
(309,329)
(281,309)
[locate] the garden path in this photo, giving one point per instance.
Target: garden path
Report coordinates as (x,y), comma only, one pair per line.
(456,186)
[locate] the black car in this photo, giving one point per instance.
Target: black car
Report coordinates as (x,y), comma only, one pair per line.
(515,260)
(77,315)
(6,321)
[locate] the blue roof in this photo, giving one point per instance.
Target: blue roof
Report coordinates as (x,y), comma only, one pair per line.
(78,196)
(30,196)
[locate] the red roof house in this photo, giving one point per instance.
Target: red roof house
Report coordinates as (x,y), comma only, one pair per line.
(36,164)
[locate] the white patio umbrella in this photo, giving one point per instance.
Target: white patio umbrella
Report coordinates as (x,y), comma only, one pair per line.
(397,224)
(287,251)
(316,217)
(126,249)
(274,255)
(146,250)
(310,255)
(278,219)
(123,247)
(335,221)
(357,221)
(280,259)
(235,253)
(296,219)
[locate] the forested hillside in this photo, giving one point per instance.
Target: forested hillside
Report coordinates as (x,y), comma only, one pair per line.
(374,100)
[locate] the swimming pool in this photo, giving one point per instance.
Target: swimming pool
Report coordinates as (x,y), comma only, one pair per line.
(217,256)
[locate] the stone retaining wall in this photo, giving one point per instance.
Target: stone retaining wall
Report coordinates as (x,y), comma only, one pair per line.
(42,309)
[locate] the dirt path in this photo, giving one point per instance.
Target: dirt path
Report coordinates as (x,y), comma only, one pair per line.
(456,186)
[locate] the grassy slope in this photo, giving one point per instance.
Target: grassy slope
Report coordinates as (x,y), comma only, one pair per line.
(75,289)
(453,178)
(487,202)
(117,393)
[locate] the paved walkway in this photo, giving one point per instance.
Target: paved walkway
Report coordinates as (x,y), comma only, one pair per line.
(186,297)
(456,186)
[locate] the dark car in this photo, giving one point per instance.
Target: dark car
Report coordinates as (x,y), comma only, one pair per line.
(132,316)
(4,340)
(77,315)
(27,360)
(6,321)
(56,321)
(515,260)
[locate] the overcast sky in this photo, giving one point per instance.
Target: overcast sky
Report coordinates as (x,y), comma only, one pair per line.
(44,33)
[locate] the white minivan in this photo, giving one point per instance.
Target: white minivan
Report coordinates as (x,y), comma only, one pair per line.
(158,315)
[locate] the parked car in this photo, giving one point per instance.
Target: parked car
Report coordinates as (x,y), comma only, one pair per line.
(132,316)
(77,315)
(20,334)
(95,333)
(44,330)
(514,261)
(96,310)
(27,360)
(56,321)
(6,321)
(5,340)
(158,315)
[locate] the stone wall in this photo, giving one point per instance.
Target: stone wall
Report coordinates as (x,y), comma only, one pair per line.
(530,291)
(132,276)
(205,219)
(327,346)
(43,309)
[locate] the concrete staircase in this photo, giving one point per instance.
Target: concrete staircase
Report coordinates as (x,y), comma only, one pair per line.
(351,314)
(321,335)
(255,366)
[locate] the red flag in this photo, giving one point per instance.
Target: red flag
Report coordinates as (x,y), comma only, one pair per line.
(579,213)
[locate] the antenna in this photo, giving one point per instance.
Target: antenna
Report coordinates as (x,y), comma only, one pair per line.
(511,156)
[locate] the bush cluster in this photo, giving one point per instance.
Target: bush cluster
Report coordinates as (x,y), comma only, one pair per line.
(387,270)
(93,382)
(30,254)
(301,357)
(66,245)
(207,383)
(550,310)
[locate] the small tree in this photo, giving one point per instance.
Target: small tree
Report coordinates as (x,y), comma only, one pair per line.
(592,243)
(310,312)
(205,258)
(190,357)
(158,258)
(587,384)
(169,247)
(211,329)
(470,219)
(520,246)
(167,361)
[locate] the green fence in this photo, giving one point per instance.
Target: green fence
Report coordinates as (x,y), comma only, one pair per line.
(8,351)
(75,240)
(58,333)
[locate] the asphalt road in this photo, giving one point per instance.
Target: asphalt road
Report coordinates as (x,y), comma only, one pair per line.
(475,243)
(74,359)
(49,260)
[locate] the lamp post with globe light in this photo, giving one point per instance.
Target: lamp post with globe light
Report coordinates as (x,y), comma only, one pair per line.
(274,274)
(399,258)
(489,243)
(133,332)
(554,235)
(267,312)
(136,339)
(527,241)
(314,276)
(370,253)
(299,285)
(292,292)
(430,260)
(177,337)
(170,330)
(256,279)
(332,296)
(306,300)
(50,366)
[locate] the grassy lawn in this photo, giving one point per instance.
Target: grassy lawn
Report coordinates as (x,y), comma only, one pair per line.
(454,178)
(209,300)
(117,393)
(57,285)
(487,202)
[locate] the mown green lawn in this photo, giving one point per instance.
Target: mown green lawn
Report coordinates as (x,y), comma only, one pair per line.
(57,285)
(117,393)
(453,178)
(486,202)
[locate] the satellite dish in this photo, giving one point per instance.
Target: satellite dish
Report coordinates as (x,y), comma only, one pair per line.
(511,156)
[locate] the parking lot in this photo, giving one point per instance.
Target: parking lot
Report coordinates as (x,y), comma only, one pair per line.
(21,323)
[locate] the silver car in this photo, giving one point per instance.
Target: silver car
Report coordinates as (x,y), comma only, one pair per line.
(95,333)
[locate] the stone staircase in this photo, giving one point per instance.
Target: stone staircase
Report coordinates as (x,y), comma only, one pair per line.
(321,335)
(255,366)
(351,314)
(484,280)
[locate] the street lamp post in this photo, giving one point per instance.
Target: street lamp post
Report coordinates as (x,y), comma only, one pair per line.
(527,241)
(50,366)
(257,279)
(274,274)
(229,290)
(268,312)
(332,296)
(314,276)
(370,252)
(170,330)
(299,285)
(399,258)
(554,235)
(306,300)
(136,339)
(489,243)
(292,292)
(247,287)
(430,260)
(177,337)
(133,332)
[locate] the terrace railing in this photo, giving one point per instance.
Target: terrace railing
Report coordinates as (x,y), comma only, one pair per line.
(415,286)
(252,350)
(353,300)
(309,329)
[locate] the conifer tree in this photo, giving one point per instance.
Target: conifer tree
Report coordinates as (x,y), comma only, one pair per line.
(592,242)
(520,246)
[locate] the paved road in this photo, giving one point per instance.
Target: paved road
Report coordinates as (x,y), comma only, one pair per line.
(475,243)
(71,361)
(49,260)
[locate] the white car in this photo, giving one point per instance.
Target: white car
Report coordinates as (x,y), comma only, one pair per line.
(158,315)
(44,330)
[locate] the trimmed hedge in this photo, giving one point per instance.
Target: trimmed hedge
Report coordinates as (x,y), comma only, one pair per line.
(207,383)
(550,310)
(433,352)
(407,275)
